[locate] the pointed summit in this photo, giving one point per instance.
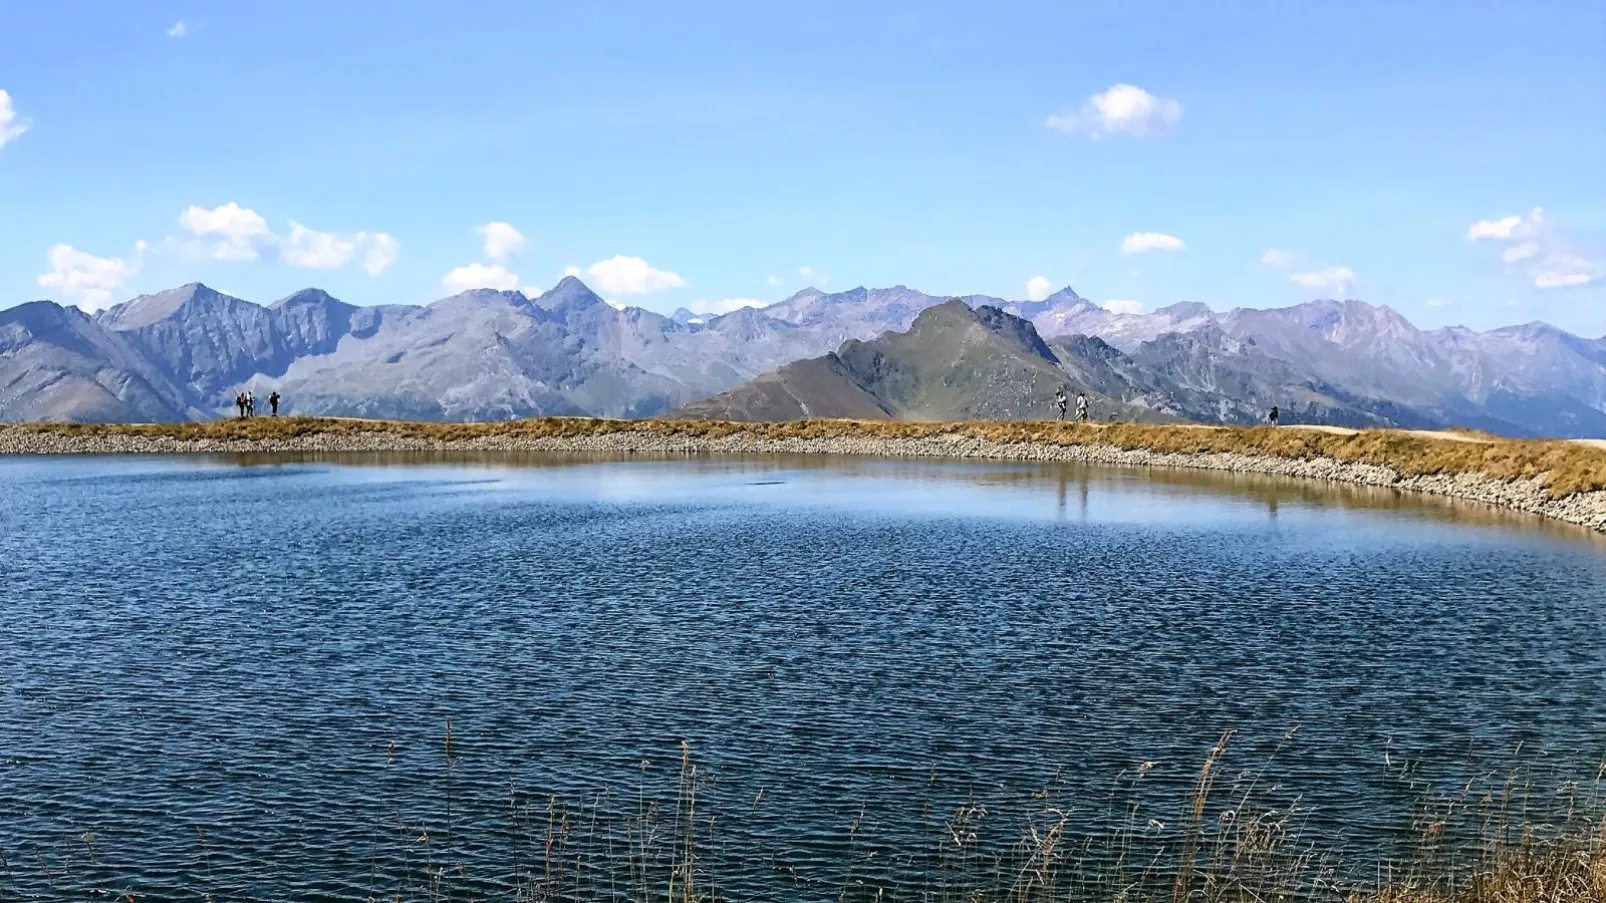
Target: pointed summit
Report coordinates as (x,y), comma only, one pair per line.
(147,309)
(569,292)
(1186,310)
(305,297)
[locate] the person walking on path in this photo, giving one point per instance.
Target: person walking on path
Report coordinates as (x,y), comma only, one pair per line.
(1059,401)
(273,402)
(1081,406)
(250,404)
(1271,417)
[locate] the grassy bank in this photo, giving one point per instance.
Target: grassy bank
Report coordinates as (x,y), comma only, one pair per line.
(1563,468)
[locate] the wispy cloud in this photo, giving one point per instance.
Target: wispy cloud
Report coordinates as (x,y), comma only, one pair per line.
(90,282)
(813,276)
(1546,253)
(12,125)
(232,232)
(1274,259)
(1144,242)
(722,306)
(479,275)
(178,30)
(1336,280)
(621,275)
(501,240)
(1122,109)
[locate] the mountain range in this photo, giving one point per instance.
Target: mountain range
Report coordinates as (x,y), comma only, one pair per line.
(182,354)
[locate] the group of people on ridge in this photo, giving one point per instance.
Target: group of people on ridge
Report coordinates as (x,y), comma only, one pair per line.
(1061,398)
(246,402)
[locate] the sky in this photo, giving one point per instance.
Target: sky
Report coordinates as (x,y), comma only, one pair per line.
(1447,159)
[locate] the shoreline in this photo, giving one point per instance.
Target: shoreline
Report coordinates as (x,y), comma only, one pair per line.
(1555,479)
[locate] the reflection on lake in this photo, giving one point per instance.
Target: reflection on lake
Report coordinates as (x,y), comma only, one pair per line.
(235,674)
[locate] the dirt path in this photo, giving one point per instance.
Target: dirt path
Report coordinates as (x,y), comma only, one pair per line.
(1448,435)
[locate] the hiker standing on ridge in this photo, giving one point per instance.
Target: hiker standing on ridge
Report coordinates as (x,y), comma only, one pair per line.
(1081,406)
(250,404)
(239,402)
(273,402)
(1059,401)
(1271,417)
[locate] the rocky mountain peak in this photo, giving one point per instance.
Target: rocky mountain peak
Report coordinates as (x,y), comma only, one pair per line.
(1066,295)
(1186,310)
(37,316)
(307,297)
(144,310)
(570,293)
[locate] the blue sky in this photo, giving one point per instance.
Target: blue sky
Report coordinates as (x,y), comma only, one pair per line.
(704,153)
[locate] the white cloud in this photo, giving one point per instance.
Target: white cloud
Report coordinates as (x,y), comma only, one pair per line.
(1519,253)
(572,271)
(1543,248)
(616,305)
(1337,280)
(1436,303)
(1038,288)
(1121,110)
(1120,306)
(383,249)
(1274,259)
(12,126)
(1504,228)
(620,275)
(501,240)
(723,306)
(178,30)
(315,250)
(1567,270)
(242,234)
(773,279)
(1143,242)
(86,280)
(479,275)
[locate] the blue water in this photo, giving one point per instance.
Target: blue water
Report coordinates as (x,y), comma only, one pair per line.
(236,677)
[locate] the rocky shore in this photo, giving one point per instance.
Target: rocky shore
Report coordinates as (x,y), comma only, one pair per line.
(1586,509)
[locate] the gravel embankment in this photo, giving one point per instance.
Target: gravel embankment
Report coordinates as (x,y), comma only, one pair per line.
(1586,509)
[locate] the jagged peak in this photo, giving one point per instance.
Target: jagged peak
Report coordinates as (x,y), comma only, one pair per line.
(570,292)
(946,309)
(1186,310)
(306,296)
(1066,295)
(33,315)
(147,309)
(807,294)
(484,296)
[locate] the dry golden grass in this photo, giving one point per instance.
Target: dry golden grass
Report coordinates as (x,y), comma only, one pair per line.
(1562,467)
(1567,871)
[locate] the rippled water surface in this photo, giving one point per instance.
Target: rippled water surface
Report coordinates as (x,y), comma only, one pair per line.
(236,676)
